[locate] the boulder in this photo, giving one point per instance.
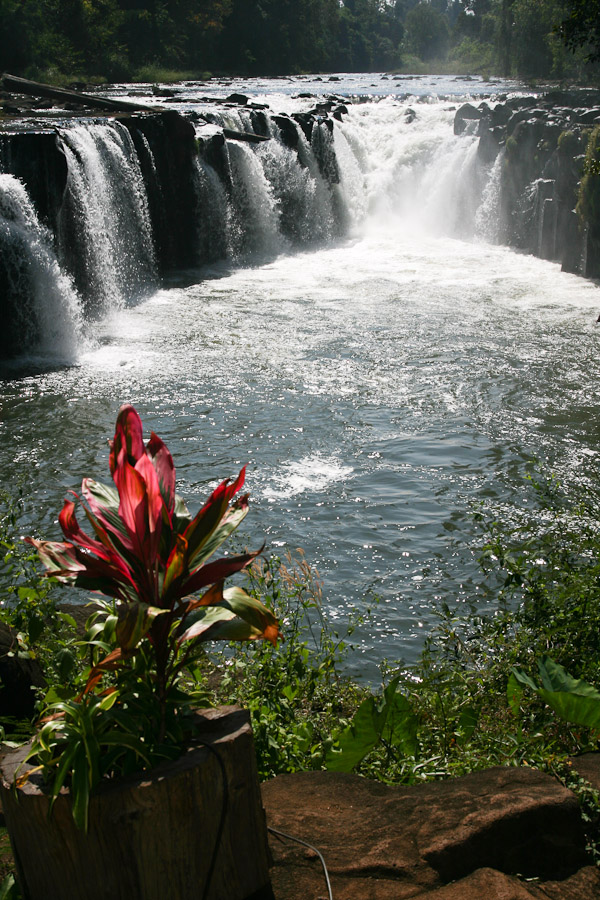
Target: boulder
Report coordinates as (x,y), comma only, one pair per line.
(287,131)
(588,116)
(470,837)
(588,766)
(239,99)
(20,675)
(339,111)
(500,114)
(463,113)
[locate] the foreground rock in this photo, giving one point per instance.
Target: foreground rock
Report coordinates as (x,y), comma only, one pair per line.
(20,675)
(542,141)
(472,838)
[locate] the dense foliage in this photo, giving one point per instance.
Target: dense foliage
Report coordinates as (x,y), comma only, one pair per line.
(465,705)
(167,596)
(150,40)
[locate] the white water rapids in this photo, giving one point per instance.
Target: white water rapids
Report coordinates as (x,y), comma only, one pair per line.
(377,383)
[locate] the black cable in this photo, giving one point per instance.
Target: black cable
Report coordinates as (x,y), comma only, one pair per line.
(291,837)
(224,808)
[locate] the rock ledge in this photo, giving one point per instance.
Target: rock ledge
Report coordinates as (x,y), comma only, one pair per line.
(501,834)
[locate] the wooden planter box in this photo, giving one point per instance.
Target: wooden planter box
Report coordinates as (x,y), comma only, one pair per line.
(151,836)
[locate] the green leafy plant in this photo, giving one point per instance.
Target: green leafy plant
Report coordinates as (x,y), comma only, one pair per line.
(296,692)
(388,720)
(151,558)
(572,699)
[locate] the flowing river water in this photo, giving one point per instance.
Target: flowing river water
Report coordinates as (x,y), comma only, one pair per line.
(379,385)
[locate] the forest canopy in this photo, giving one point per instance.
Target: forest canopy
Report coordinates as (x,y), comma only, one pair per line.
(120,40)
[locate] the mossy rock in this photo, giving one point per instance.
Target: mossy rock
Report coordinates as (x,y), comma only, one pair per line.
(588,204)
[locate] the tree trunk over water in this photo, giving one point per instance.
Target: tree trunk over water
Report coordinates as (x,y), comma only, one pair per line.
(15,85)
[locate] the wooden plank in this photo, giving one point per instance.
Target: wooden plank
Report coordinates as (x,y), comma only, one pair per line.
(15,85)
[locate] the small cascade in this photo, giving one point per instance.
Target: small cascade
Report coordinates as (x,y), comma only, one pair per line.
(214,214)
(105,233)
(403,167)
(489,224)
(352,166)
(302,197)
(40,308)
(451,189)
(256,212)
(276,197)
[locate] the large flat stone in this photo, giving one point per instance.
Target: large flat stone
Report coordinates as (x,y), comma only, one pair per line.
(392,843)
(588,766)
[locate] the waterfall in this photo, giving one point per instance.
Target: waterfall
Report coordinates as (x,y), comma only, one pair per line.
(41,309)
(279,197)
(214,214)
(488,218)
(403,166)
(105,235)
(302,197)
(148,189)
(256,230)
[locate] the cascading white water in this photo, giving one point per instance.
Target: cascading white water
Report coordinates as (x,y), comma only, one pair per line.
(42,297)
(402,166)
(302,197)
(488,218)
(386,164)
(377,387)
(214,214)
(107,218)
(256,214)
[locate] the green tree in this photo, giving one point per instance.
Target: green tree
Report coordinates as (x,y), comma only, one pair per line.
(534,39)
(428,34)
(580,27)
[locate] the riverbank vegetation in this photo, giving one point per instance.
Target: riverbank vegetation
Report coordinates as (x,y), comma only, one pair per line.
(125,40)
(459,708)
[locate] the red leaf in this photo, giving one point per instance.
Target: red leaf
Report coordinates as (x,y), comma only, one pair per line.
(165,469)
(108,664)
(212,597)
(218,570)
(132,494)
(128,436)
(153,506)
(209,517)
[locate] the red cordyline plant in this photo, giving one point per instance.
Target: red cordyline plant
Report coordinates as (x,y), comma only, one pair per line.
(150,555)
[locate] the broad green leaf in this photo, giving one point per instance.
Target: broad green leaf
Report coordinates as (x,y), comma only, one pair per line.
(358,739)
(572,699)
(555,678)
(525,680)
(80,788)
(65,661)
(35,627)
(67,619)
(401,724)
(514,693)
(9,889)
(368,726)
(467,721)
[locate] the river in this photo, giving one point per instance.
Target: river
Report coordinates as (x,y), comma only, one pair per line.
(380,384)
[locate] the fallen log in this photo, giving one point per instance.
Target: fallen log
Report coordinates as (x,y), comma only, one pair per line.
(247,136)
(15,85)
